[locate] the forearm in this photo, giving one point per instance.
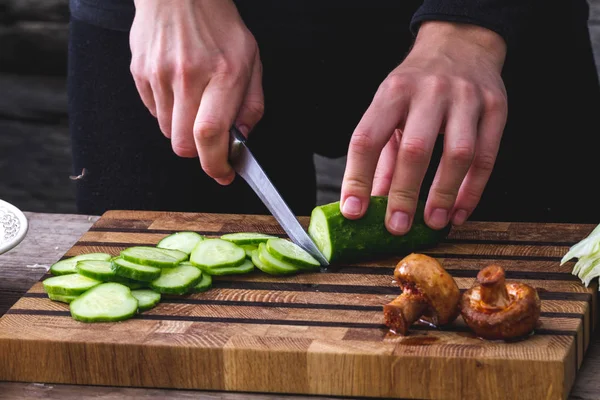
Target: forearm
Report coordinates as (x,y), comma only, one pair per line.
(505,17)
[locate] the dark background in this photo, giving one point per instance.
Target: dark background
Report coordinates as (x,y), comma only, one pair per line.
(35,161)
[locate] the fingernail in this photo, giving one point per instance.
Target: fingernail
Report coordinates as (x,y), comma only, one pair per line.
(459,217)
(399,222)
(244,129)
(439,218)
(352,206)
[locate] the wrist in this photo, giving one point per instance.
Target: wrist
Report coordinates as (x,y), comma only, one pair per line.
(462,40)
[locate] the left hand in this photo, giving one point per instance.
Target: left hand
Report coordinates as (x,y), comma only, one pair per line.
(449,83)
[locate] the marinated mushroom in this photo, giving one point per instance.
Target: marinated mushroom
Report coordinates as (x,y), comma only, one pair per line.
(428,293)
(497,310)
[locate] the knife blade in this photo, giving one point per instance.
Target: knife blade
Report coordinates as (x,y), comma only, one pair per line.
(244,163)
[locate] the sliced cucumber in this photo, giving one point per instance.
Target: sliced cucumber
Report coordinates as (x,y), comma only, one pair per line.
(249,248)
(96,269)
(138,272)
(177,280)
(154,257)
(146,298)
(288,251)
(279,266)
(107,302)
(63,298)
(204,284)
(341,239)
(182,241)
(130,283)
(253,238)
(69,265)
(244,268)
(258,263)
(217,253)
(70,284)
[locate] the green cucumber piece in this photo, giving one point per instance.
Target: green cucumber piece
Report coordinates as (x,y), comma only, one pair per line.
(275,264)
(344,240)
(69,265)
(217,253)
(107,302)
(253,238)
(249,248)
(70,284)
(154,257)
(177,280)
(146,298)
(204,284)
(96,269)
(244,268)
(63,298)
(138,272)
(182,241)
(258,263)
(130,283)
(290,252)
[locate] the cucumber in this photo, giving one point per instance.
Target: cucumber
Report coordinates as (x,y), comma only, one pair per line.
(248,248)
(258,263)
(63,298)
(253,238)
(96,269)
(70,284)
(130,283)
(274,264)
(69,265)
(182,241)
(204,284)
(138,272)
(244,268)
(343,240)
(290,252)
(146,298)
(217,253)
(177,280)
(154,257)
(107,302)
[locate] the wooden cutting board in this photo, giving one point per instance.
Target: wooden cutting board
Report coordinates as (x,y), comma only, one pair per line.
(313,333)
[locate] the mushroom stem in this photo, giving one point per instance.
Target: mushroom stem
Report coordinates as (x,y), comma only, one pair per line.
(493,287)
(403,311)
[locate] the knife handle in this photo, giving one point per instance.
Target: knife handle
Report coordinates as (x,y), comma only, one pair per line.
(236,140)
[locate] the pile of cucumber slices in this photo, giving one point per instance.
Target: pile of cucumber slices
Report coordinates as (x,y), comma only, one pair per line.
(100,287)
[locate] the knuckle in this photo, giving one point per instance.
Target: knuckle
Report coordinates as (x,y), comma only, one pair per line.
(136,68)
(357,184)
(444,196)
(437,84)
(362,142)
(413,150)
(495,102)
(186,68)
(484,162)
(466,89)
(395,83)
(184,151)
(460,154)
(255,107)
(208,131)
(402,196)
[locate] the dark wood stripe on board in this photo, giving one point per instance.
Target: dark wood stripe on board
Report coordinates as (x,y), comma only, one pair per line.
(329,324)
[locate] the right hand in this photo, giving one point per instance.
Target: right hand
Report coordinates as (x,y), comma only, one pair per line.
(198,71)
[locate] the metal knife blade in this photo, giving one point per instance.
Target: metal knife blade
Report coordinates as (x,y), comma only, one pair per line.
(244,163)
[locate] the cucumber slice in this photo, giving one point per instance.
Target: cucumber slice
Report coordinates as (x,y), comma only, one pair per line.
(258,263)
(177,280)
(63,298)
(70,284)
(249,248)
(244,268)
(204,284)
(69,265)
(182,241)
(146,298)
(278,266)
(344,240)
(146,255)
(138,272)
(130,283)
(253,238)
(107,302)
(288,251)
(217,253)
(96,269)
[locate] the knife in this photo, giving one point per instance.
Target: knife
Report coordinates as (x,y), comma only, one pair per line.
(244,163)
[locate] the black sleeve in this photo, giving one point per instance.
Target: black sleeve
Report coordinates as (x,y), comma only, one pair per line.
(505,17)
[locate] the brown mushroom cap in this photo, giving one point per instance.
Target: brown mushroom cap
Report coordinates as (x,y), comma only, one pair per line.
(426,276)
(428,293)
(497,310)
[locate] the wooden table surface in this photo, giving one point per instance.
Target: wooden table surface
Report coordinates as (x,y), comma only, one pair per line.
(51,235)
